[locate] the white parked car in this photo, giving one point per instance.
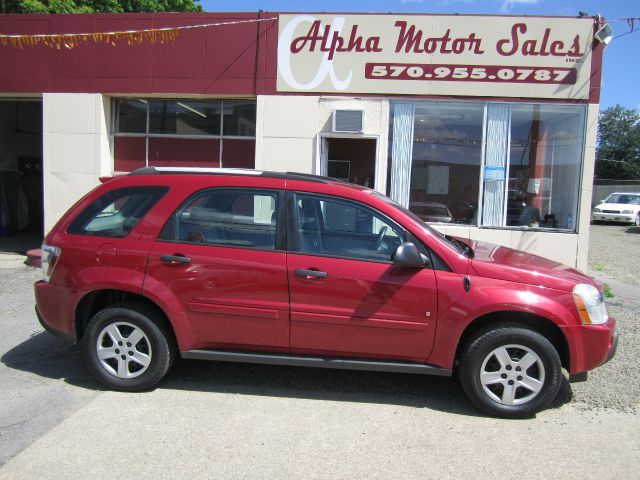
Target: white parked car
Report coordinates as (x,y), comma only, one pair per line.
(618,207)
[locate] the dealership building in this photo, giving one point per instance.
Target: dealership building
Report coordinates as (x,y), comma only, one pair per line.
(484,126)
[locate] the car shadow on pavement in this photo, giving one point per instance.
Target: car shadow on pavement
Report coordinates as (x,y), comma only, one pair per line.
(51,357)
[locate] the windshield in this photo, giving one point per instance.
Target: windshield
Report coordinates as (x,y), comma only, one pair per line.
(455,243)
(623,198)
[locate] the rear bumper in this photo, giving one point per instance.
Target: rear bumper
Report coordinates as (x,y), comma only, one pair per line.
(55,307)
(52,330)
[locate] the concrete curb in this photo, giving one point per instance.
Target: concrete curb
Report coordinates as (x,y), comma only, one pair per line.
(12,260)
(620,289)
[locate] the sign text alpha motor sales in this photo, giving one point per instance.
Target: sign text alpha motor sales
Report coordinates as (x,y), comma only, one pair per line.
(436,55)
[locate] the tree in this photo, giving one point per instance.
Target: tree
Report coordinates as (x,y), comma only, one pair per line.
(99,6)
(618,151)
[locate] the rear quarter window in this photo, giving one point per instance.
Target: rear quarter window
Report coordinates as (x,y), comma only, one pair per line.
(117,212)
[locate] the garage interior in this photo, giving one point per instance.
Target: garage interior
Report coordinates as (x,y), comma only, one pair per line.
(21,199)
(352,160)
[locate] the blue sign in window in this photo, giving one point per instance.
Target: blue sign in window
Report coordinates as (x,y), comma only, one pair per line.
(492,173)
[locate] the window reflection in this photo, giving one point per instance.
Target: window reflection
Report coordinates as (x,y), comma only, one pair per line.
(184,117)
(447,152)
(544,166)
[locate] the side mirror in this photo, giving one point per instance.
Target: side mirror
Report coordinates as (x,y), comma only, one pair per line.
(408,255)
(601,201)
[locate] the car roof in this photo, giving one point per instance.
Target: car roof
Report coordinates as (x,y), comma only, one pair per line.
(306,177)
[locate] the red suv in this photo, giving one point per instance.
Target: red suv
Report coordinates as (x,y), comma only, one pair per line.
(294,269)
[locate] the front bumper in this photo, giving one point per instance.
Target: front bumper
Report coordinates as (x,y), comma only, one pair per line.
(591,345)
(613,217)
(614,346)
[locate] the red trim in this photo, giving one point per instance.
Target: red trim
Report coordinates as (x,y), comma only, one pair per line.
(210,61)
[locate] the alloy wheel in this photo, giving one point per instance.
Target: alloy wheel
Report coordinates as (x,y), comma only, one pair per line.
(512,374)
(123,350)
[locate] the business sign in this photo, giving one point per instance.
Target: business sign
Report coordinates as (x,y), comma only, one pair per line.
(435,55)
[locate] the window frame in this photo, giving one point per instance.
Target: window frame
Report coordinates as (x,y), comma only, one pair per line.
(293,238)
(281,220)
(148,135)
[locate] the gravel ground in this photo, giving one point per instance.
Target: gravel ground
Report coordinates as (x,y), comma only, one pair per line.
(615,251)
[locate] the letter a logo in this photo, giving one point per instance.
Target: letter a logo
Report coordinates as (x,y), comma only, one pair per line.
(325,68)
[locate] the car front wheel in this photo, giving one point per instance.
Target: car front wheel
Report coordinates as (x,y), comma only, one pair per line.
(127,347)
(637,221)
(510,371)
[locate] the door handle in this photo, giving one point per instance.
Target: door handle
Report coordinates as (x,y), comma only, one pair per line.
(301,272)
(175,259)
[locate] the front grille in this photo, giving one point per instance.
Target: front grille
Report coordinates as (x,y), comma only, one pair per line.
(610,211)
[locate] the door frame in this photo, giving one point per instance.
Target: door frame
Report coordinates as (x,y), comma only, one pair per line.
(322,156)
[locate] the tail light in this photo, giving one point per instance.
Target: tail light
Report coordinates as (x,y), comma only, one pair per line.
(50,256)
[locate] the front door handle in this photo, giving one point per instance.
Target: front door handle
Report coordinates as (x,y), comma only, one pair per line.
(301,272)
(175,259)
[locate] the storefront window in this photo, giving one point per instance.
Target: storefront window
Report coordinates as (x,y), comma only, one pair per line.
(445,164)
(132,116)
(490,165)
(240,118)
(184,117)
(183,132)
(544,166)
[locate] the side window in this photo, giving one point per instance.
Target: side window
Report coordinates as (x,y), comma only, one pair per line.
(226,217)
(117,212)
(342,228)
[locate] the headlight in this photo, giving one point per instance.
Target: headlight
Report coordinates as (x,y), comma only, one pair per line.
(596,210)
(627,212)
(590,304)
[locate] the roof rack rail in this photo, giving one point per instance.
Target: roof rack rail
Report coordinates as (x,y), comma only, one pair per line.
(213,170)
(312,176)
(308,177)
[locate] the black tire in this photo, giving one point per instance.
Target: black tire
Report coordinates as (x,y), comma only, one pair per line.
(637,220)
(120,365)
(494,379)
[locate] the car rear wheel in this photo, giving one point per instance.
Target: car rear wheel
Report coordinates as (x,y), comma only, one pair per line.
(128,348)
(510,371)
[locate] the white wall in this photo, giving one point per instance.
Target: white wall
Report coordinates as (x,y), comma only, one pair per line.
(288,128)
(376,125)
(76,149)
(285,133)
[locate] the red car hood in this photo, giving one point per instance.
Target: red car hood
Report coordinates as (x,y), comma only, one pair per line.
(503,263)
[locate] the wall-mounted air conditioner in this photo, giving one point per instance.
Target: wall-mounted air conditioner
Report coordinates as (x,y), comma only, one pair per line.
(348,121)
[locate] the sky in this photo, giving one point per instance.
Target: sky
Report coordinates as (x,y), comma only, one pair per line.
(621,67)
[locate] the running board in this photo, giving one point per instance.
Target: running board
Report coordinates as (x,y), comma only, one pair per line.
(309,361)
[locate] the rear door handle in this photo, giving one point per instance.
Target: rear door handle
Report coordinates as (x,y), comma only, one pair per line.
(301,272)
(175,259)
